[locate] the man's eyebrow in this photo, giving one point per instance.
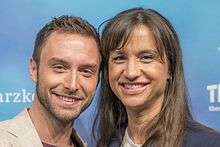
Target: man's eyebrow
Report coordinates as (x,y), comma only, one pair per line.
(56,60)
(90,66)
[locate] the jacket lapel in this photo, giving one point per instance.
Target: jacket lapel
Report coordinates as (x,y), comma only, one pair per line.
(23,128)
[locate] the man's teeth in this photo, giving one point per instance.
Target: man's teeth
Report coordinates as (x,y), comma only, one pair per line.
(67,99)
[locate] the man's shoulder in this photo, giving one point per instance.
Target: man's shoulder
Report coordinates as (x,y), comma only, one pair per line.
(6,124)
(7,139)
(19,131)
(202,136)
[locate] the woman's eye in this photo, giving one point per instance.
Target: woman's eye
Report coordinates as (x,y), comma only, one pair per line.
(118,59)
(147,58)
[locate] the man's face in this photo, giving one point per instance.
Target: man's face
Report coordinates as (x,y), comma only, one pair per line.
(67,74)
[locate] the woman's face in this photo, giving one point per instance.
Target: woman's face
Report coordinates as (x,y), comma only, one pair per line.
(137,75)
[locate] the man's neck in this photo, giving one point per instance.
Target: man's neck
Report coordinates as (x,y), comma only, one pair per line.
(49,129)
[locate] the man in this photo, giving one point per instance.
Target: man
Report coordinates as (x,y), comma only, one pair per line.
(65,67)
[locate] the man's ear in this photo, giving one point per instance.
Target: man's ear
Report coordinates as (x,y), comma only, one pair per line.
(33,69)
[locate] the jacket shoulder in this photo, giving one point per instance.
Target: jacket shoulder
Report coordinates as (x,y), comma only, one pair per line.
(202,136)
(5,124)
(19,132)
(8,140)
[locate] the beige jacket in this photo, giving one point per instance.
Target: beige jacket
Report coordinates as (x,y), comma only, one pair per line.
(19,132)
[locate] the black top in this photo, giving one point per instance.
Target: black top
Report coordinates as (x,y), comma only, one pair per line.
(200,136)
(196,135)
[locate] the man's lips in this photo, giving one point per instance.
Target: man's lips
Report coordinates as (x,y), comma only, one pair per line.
(133,88)
(68,100)
(68,96)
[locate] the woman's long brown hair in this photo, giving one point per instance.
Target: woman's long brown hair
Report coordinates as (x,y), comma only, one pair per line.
(167,128)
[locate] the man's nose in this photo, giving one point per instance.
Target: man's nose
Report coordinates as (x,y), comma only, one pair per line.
(72,81)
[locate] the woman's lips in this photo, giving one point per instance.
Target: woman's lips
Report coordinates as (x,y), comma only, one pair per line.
(133,88)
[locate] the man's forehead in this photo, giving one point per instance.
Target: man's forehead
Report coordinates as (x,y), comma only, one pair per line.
(71,46)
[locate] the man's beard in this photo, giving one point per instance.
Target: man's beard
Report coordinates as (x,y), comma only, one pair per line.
(52,110)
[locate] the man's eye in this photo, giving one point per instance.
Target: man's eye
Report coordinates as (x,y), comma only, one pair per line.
(59,68)
(87,72)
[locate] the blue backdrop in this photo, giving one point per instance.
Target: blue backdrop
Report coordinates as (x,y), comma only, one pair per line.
(197,23)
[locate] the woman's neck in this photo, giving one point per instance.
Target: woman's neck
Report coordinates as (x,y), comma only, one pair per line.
(138,121)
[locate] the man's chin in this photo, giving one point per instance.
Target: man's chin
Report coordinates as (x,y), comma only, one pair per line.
(67,118)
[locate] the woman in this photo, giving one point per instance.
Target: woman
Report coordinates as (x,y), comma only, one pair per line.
(144,98)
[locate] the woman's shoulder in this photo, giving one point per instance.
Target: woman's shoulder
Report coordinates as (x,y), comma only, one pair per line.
(198,135)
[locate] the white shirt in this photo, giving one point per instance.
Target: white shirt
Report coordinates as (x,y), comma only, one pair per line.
(127,142)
